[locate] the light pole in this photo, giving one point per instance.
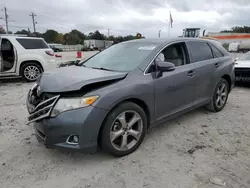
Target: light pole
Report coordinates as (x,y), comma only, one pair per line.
(159,33)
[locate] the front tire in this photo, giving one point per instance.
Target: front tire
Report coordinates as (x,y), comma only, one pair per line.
(124,129)
(31,71)
(220,96)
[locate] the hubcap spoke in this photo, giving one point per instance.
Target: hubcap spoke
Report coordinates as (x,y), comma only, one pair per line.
(134,133)
(135,119)
(222,88)
(116,134)
(222,100)
(223,94)
(122,119)
(218,100)
(124,144)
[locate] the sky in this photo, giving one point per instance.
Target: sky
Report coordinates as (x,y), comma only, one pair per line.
(124,17)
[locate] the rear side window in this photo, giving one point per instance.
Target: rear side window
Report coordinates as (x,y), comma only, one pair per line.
(217,53)
(200,51)
(32,43)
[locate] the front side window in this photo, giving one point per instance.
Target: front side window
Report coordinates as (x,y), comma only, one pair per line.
(175,53)
(123,57)
(32,43)
(200,51)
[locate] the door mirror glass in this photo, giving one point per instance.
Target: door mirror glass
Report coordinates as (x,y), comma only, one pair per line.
(165,66)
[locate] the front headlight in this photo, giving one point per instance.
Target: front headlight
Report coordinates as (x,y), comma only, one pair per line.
(65,104)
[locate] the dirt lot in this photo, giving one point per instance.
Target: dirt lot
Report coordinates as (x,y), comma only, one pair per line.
(191,151)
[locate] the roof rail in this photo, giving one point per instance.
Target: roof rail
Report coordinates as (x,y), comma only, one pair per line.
(18,35)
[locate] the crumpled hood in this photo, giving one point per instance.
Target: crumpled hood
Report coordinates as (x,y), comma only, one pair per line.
(73,78)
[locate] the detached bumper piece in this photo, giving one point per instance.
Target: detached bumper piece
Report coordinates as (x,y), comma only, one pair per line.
(242,74)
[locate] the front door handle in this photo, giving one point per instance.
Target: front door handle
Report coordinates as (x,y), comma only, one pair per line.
(216,65)
(191,73)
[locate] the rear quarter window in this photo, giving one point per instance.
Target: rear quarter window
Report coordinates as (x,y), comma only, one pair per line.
(32,43)
(217,53)
(220,47)
(200,51)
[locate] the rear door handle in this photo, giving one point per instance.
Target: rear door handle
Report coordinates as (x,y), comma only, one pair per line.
(191,73)
(216,65)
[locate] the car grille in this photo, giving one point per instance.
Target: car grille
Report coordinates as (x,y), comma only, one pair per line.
(40,107)
(242,74)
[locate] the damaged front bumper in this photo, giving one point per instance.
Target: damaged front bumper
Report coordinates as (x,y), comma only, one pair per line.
(55,132)
(84,123)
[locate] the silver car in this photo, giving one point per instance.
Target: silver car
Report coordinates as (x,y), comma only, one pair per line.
(111,99)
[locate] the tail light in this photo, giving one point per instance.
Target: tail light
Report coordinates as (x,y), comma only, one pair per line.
(49,52)
(58,55)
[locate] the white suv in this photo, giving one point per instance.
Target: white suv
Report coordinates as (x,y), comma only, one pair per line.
(24,56)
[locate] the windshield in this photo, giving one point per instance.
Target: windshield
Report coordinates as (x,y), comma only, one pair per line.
(245,57)
(123,57)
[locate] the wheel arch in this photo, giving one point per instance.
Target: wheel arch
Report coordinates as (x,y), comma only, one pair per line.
(228,79)
(137,101)
(29,61)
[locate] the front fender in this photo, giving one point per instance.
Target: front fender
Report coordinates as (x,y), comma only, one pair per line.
(142,89)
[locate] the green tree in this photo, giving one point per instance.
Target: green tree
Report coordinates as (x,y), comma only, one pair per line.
(24,32)
(74,37)
(96,35)
(238,29)
(50,35)
(60,38)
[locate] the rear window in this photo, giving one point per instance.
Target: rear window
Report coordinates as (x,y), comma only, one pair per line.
(32,43)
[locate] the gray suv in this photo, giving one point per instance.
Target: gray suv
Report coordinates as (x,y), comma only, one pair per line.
(111,99)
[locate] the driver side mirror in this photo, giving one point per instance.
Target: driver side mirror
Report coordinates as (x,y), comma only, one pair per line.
(165,66)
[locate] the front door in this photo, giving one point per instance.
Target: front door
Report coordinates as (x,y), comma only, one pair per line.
(8,57)
(175,90)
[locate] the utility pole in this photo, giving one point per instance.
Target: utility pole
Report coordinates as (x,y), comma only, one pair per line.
(108,32)
(6,17)
(34,22)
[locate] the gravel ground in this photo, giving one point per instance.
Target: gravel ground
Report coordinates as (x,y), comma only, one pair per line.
(197,150)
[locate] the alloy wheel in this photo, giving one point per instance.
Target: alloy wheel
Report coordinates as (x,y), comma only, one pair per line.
(221,95)
(32,72)
(126,130)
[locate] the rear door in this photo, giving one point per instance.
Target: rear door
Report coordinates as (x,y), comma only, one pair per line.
(205,65)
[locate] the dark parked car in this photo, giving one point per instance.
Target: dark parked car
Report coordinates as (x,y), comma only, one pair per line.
(55,49)
(112,98)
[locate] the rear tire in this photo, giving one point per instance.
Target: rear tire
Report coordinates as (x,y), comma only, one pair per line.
(220,96)
(120,138)
(31,71)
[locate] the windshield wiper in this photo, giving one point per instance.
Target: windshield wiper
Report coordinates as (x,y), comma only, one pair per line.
(101,68)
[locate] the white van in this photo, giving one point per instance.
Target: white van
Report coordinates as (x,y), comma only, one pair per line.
(22,56)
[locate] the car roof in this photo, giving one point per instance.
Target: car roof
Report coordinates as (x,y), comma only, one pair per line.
(162,41)
(19,37)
